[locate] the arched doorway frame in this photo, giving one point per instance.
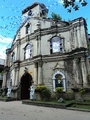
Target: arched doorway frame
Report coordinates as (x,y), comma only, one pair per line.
(26,82)
(63,79)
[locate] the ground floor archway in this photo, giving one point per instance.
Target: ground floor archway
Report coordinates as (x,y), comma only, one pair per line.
(26,81)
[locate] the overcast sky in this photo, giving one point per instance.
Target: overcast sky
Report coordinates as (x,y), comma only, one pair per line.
(11,17)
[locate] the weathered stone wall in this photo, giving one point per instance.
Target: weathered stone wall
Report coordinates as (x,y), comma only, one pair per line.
(43,64)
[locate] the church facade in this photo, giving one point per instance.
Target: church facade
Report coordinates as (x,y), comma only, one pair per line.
(46,52)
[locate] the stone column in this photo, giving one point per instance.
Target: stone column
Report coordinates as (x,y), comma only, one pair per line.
(39,45)
(17,76)
(18,50)
(72,39)
(4,85)
(4,80)
(18,46)
(77,73)
(15,70)
(88,64)
(76,70)
(80,33)
(84,72)
(79,36)
(76,40)
(40,72)
(35,74)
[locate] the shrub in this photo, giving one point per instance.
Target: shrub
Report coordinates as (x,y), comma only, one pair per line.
(59,89)
(82,91)
(69,95)
(69,92)
(59,93)
(46,94)
(40,88)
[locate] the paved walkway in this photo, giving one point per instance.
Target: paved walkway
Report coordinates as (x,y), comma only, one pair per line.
(17,111)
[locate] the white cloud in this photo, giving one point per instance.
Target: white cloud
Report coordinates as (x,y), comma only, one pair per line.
(2,51)
(4,42)
(60,1)
(2,55)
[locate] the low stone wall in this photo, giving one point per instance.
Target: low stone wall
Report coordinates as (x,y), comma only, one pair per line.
(84,96)
(37,96)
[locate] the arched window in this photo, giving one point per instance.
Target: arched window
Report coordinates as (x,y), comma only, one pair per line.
(30,13)
(27,28)
(28,51)
(55,45)
(13,57)
(58,80)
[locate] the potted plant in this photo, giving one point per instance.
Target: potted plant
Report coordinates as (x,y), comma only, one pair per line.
(59,92)
(42,92)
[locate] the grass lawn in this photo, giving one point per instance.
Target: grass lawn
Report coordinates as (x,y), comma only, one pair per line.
(53,101)
(81,106)
(71,103)
(3,97)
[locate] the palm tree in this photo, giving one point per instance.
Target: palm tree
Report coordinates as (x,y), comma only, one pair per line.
(56,16)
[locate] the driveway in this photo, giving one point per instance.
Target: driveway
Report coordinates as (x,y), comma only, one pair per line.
(17,111)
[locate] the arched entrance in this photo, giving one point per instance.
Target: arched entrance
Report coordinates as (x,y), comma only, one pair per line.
(25,85)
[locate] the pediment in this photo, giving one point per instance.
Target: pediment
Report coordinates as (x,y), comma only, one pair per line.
(57,66)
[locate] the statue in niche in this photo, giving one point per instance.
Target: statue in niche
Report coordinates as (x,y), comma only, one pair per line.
(32,91)
(59,81)
(9,92)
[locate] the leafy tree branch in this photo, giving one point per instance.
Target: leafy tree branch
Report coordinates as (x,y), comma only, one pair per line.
(74,4)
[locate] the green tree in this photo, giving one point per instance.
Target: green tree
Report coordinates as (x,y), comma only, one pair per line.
(74,4)
(56,16)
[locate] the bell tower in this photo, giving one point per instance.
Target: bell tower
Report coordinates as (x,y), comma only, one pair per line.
(35,10)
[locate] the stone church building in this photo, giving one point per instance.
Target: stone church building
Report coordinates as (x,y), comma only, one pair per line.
(46,51)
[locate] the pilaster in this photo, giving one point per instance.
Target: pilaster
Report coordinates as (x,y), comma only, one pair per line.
(40,72)
(84,72)
(77,72)
(17,76)
(76,40)
(18,50)
(79,36)
(4,80)
(35,73)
